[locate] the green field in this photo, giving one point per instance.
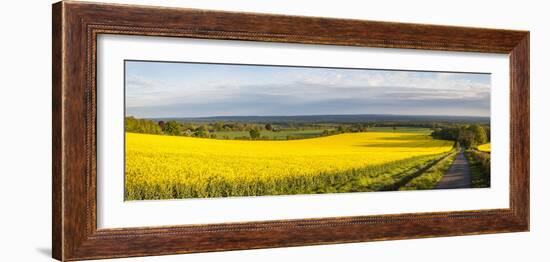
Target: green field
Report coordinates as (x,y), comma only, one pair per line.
(400,129)
(310,133)
(283,134)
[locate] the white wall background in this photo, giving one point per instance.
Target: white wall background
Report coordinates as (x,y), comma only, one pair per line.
(25,129)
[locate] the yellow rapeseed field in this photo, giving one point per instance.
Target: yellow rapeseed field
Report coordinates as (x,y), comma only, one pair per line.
(164,167)
(485,147)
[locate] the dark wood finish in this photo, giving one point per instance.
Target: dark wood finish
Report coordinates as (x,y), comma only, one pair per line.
(519,129)
(57,216)
(75,29)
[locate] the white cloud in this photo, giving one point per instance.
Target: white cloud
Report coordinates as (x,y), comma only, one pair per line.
(255,89)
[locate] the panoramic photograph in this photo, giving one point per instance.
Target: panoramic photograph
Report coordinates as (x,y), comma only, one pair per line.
(210,130)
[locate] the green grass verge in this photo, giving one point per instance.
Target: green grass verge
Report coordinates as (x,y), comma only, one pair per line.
(430,178)
(388,178)
(384,177)
(480,168)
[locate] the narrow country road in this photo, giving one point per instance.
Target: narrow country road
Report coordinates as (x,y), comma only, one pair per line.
(458,175)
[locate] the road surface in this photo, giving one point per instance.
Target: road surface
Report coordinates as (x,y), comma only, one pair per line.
(458,175)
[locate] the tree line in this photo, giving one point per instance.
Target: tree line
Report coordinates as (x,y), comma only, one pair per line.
(175,128)
(468,136)
(208,130)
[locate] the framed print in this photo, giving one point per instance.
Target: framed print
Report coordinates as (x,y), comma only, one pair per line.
(182,130)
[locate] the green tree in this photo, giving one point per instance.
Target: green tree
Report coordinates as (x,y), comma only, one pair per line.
(143,126)
(161,124)
(268,127)
(488,133)
(479,134)
(218,126)
(466,138)
(254,134)
(201,131)
(466,135)
(172,128)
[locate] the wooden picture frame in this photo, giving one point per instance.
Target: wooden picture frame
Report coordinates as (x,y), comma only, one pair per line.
(76,26)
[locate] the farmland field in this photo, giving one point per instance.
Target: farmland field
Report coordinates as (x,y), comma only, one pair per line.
(419,130)
(203,129)
(280,135)
(166,167)
(309,133)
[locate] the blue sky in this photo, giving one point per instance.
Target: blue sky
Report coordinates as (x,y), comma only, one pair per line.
(160,89)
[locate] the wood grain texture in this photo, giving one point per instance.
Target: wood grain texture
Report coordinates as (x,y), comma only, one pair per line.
(57,195)
(519,129)
(75,29)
